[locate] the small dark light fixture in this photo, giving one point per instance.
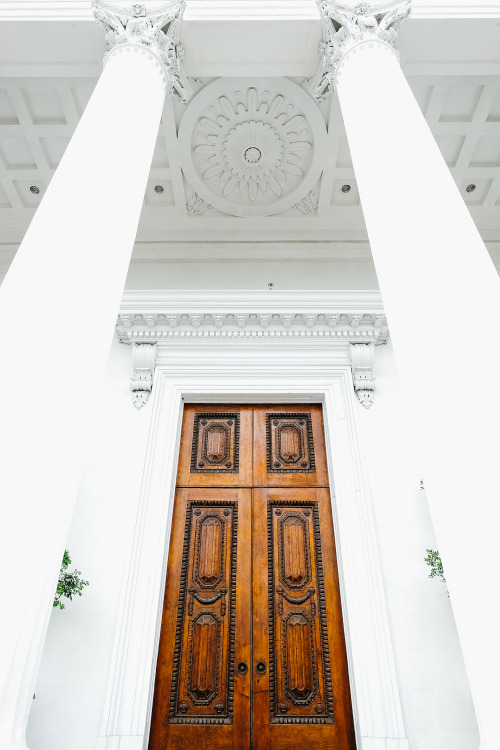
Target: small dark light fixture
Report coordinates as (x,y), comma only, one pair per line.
(470,188)
(270,285)
(346,188)
(159,189)
(34,189)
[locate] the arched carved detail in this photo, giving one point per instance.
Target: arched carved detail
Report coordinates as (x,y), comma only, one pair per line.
(294,555)
(209,551)
(204,658)
(300,675)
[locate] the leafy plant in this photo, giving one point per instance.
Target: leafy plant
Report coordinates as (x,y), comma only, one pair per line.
(422,484)
(68,584)
(433,559)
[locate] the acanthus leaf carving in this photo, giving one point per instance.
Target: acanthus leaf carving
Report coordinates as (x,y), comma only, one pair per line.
(308,204)
(344,26)
(197,206)
(362,358)
(143,364)
(156,29)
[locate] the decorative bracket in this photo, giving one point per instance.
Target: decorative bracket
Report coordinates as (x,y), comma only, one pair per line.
(141,382)
(362,357)
(156,29)
(344,26)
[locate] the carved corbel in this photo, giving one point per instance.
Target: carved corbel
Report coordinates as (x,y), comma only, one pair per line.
(362,358)
(143,364)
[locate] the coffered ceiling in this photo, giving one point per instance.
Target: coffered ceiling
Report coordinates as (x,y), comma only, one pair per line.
(250,73)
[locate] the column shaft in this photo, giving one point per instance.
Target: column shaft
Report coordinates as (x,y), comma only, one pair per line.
(433,268)
(58,307)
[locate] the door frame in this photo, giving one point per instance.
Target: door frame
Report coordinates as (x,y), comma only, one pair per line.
(258,371)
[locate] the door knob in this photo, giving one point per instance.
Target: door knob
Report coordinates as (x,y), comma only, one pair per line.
(242,667)
(260,667)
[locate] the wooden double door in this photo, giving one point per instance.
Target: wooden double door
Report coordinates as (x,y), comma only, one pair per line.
(252,653)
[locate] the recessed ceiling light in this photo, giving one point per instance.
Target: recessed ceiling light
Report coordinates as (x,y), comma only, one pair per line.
(346,188)
(34,189)
(470,188)
(158,189)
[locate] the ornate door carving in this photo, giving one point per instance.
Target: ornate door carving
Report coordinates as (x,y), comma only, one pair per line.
(252,653)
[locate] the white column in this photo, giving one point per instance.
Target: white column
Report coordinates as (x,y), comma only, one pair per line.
(431,264)
(73,259)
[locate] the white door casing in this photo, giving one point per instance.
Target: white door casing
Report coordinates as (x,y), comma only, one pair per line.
(300,369)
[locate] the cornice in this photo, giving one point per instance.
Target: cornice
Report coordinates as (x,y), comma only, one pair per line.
(349,323)
(337,318)
(179,300)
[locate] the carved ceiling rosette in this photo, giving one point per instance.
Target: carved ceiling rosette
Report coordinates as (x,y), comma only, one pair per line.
(252,147)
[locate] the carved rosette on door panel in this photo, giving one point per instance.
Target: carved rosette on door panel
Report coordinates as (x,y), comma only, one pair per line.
(203,666)
(290,444)
(300,680)
(215,443)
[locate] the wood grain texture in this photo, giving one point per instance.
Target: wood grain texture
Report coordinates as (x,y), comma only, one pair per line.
(252,580)
(210,454)
(205,626)
(289,446)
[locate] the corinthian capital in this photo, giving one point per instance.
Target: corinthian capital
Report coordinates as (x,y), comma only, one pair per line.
(345,26)
(157,29)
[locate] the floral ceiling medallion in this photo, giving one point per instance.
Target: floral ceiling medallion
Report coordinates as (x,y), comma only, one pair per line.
(251,147)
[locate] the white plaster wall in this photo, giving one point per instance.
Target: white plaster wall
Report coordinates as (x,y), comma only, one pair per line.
(219,274)
(435,694)
(72,681)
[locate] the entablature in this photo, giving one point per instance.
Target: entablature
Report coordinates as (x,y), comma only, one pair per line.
(348,325)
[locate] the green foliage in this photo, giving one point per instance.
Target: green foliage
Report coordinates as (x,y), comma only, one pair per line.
(433,559)
(422,484)
(68,584)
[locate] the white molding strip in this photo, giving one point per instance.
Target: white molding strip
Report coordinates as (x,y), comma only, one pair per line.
(235,10)
(235,374)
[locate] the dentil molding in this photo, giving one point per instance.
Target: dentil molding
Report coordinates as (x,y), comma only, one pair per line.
(252,146)
(350,322)
(157,29)
(345,26)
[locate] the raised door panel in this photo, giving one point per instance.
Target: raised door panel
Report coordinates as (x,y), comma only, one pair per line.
(289,448)
(200,697)
(216,446)
(303,698)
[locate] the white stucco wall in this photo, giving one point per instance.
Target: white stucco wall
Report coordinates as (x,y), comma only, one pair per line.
(253,274)
(70,692)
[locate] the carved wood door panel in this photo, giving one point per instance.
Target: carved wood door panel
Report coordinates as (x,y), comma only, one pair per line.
(252,653)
